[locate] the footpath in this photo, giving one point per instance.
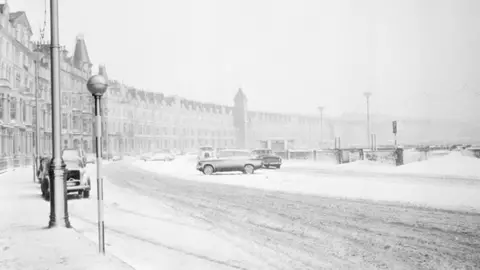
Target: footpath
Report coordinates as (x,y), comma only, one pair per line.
(25,241)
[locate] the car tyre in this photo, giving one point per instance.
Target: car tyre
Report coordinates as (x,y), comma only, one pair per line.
(208,170)
(249,169)
(278,166)
(86,194)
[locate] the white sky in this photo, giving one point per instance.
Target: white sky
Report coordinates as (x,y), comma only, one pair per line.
(418,57)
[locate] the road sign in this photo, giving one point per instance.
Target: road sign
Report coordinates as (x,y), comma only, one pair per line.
(394,123)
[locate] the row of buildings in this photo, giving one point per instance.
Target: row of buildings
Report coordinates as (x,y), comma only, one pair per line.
(24,73)
(139,121)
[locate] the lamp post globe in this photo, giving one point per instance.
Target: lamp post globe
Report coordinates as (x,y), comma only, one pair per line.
(97,85)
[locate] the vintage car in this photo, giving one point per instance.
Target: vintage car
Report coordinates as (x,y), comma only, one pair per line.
(162,156)
(146,156)
(230,161)
(268,157)
(91,158)
(77,178)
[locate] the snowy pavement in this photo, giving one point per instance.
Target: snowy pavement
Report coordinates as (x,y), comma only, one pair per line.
(26,243)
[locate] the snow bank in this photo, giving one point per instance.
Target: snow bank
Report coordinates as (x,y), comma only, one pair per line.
(453,164)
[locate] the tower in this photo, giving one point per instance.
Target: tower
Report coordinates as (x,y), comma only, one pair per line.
(240,119)
(81,60)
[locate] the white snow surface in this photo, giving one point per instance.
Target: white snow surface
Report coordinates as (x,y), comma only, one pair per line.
(138,229)
(147,235)
(452,165)
(25,241)
(407,186)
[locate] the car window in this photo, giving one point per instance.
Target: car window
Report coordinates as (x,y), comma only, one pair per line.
(70,155)
(242,153)
(225,154)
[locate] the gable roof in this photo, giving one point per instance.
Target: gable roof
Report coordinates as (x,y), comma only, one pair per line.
(80,55)
(20,17)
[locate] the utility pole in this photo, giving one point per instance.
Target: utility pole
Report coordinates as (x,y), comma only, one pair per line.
(37,58)
(367,96)
(58,189)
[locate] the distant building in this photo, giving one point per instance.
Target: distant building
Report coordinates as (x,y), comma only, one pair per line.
(76,101)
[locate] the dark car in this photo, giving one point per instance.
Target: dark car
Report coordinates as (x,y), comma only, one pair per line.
(77,178)
(230,161)
(268,157)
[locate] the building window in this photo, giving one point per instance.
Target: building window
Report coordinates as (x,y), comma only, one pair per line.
(24,111)
(76,123)
(65,100)
(8,76)
(1,109)
(13,109)
(86,126)
(18,79)
(74,103)
(64,121)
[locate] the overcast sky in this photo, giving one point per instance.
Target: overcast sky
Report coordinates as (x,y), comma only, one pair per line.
(418,57)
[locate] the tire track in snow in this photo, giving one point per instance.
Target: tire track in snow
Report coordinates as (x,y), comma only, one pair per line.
(159,244)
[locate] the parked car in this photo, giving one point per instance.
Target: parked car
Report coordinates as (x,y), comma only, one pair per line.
(116,158)
(78,179)
(91,159)
(146,156)
(162,157)
(229,161)
(268,157)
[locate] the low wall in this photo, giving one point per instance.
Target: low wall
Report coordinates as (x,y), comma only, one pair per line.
(339,156)
(389,156)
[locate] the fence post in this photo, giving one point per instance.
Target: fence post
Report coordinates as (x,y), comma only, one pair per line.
(399,156)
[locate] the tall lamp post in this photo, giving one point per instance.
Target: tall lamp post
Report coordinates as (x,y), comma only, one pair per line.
(58,189)
(97,85)
(37,57)
(320,108)
(367,96)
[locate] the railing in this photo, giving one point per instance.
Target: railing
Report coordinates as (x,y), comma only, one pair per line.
(3,164)
(339,156)
(28,160)
(17,162)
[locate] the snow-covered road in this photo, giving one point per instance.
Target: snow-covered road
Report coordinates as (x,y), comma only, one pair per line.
(354,181)
(158,221)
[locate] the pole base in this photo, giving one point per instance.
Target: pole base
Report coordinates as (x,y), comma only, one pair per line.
(58,209)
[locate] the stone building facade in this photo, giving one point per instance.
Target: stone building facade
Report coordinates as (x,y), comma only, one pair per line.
(18,69)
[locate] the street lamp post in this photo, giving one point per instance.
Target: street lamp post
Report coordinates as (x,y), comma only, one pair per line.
(97,85)
(58,189)
(320,108)
(367,96)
